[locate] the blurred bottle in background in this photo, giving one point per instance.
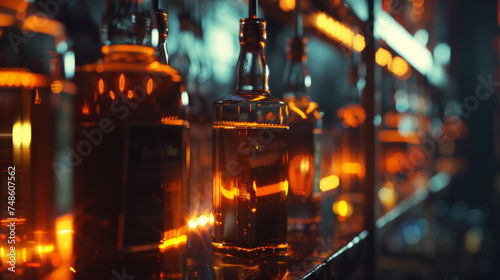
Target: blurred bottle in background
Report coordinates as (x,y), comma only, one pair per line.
(131,135)
(305,121)
(35,130)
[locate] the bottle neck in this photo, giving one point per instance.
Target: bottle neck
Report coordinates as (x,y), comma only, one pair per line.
(162,22)
(297,79)
(251,71)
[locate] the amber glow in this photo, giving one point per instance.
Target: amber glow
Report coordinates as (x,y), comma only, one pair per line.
(21,78)
(127,48)
(343,208)
(121,82)
(201,221)
(101,86)
(85,109)
(352,168)
(72,269)
(173,242)
(271,189)
(352,115)
(173,121)
(231,193)
(56,86)
(292,107)
(287,5)
(6,19)
(329,183)
(112,95)
(392,162)
(38,100)
(158,67)
(226,124)
(340,32)
(21,134)
(149,87)
(394,136)
(46,26)
(387,196)
(397,65)
(130,94)
(64,237)
(300,173)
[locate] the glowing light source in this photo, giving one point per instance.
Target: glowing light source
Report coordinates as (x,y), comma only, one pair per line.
(101,86)
(352,115)
(342,208)
(287,5)
(46,26)
(396,65)
(21,134)
(329,183)
(121,82)
(352,168)
(56,86)
(339,32)
(396,36)
(21,78)
(173,242)
(184,98)
(149,87)
(394,136)
(388,197)
(291,106)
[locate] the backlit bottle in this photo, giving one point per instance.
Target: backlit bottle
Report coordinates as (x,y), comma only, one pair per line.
(250,131)
(131,141)
(305,129)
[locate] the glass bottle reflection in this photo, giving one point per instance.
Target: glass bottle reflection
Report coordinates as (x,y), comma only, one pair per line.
(305,128)
(250,157)
(131,142)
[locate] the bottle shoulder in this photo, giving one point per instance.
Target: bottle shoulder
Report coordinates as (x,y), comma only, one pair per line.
(131,66)
(250,98)
(304,111)
(248,108)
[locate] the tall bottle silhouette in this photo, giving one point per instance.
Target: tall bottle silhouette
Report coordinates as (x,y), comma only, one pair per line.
(250,155)
(131,135)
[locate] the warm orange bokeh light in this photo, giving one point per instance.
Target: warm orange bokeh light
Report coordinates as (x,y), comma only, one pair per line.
(397,65)
(352,168)
(329,183)
(340,32)
(287,5)
(394,136)
(352,115)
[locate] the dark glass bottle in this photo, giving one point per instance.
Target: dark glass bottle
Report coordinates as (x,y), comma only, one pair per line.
(250,131)
(35,200)
(305,128)
(131,138)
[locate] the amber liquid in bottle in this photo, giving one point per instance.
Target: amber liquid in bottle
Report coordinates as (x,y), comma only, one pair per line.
(250,157)
(131,182)
(305,129)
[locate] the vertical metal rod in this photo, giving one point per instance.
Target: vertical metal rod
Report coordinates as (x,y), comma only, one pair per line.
(298,20)
(252,8)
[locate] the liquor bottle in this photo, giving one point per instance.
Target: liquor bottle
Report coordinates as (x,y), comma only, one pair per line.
(349,160)
(34,100)
(250,131)
(305,130)
(131,140)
